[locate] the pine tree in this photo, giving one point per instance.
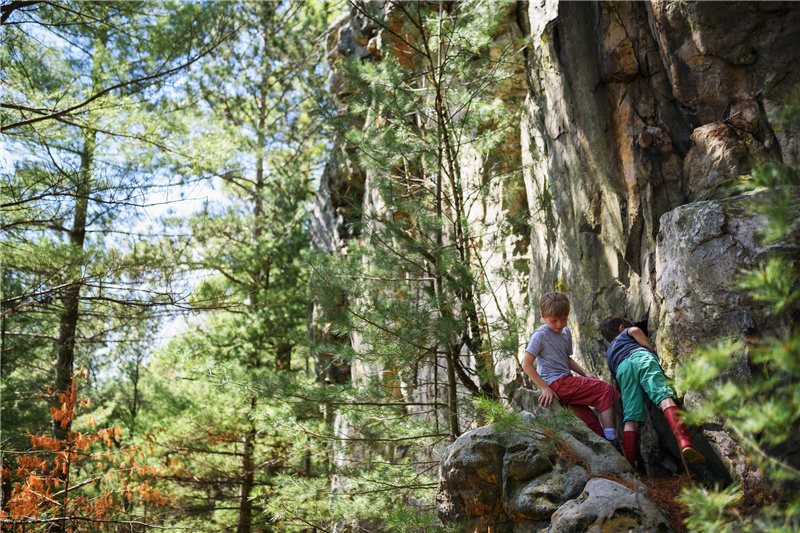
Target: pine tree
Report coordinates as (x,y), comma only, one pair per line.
(79,284)
(254,134)
(409,295)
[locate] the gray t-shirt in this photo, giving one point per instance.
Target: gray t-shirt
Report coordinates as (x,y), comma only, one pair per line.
(551,351)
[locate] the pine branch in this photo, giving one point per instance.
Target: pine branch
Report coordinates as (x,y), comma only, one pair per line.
(10,7)
(52,114)
(87,519)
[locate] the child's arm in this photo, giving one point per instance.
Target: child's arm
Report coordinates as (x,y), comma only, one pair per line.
(639,336)
(578,369)
(547,393)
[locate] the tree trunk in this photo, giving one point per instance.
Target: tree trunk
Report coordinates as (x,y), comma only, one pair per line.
(65,359)
(248,476)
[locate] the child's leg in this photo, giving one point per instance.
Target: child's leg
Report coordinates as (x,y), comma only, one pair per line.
(654,382)
(580,391)
(681,432)
(630,441)
(564,387)
(607,418)
(588,416)
(633,409)
(667,402)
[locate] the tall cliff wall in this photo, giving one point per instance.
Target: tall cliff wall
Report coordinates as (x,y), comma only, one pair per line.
(635,119)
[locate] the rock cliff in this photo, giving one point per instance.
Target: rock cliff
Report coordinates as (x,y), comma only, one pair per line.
(636,119)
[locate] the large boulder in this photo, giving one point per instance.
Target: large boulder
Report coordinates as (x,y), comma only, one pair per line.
(550,468)
(702,247)
(606,505)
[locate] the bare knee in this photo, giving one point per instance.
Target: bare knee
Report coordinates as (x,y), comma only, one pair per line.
(665,403)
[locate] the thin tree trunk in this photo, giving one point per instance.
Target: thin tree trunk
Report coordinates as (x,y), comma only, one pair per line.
(452,397)
(65,359)
(260,283)
(245,520)
(472,331)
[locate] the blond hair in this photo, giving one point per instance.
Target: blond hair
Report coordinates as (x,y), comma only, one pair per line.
(554,305)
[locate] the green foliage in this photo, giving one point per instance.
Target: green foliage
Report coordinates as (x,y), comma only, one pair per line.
(504,420)
(241,404)
(709,509)
(408,301)
(242,115)
(760,410)
(412,286)
(79,287)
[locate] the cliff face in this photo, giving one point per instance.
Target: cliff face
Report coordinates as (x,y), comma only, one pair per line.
(641,109)
(644,113)
(637,116)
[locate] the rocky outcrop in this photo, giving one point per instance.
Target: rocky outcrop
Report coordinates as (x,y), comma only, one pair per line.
(523,479)
(605,505)
(702,246)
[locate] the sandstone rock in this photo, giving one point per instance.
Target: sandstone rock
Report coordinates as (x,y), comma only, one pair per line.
(620,62)
(702,247)
(610,507)
(745,115)
(591,447)
(717,53)
(516,480)
(719,155)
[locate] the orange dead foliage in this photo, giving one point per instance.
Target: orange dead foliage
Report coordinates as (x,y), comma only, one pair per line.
(44,489)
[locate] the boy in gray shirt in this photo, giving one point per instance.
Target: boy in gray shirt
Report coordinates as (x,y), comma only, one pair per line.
(551,347)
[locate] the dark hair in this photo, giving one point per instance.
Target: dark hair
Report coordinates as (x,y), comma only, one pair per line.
(609,328)
(554,305)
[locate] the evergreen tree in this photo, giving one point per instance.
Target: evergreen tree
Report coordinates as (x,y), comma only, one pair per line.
(79,284)
(255,134)
(409,294)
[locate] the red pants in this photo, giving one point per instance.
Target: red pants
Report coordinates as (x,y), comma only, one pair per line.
(578,394)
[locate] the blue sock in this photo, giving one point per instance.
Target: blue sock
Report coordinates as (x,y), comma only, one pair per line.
(609,433)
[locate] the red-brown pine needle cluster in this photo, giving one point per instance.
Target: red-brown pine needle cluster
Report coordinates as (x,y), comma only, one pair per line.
(83,477)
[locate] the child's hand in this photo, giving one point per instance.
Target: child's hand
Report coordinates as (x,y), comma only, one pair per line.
(592,376)
(546,398)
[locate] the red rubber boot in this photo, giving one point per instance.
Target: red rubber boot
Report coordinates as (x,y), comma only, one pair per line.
(630,446)
(681,433)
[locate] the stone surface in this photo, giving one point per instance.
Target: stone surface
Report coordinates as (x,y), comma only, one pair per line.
(516,480)
(607,506)
(702,246)
(593,448)
(719,155)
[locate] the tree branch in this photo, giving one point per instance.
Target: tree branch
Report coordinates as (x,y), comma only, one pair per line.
(100,94)
(10,7)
